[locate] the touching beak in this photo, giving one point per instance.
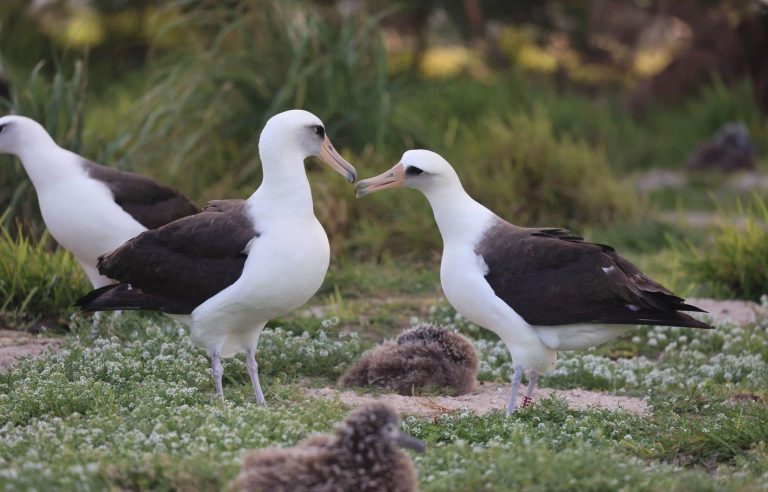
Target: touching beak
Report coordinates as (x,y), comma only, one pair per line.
(408,441)
(393,178)
(329,155)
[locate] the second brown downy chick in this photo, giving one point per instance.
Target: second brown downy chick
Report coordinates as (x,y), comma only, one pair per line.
(425,357)
(363,455)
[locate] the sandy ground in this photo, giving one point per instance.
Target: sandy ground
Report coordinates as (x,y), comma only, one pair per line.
(16,344)
(740,312)
(486,398)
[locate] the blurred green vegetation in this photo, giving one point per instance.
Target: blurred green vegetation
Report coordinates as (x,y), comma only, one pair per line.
(661,138)
(735,262)
(192,83)
(233,70)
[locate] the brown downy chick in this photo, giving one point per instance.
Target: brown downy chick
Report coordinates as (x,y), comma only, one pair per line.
(362,455)
(423,357)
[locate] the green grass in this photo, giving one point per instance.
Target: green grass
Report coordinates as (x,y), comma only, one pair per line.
(552,448)
(36,280)
(135,409)
(363,280)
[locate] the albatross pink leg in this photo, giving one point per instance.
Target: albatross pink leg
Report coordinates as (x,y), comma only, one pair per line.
(516,378)
(533,376)
(218,372)
(253,372)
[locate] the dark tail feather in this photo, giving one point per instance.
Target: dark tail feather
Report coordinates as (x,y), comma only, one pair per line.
(689,308)
(116,297)
(682,319)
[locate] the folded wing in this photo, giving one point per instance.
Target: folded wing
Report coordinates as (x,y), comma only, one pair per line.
(552,277)
(149,202)
(177,267)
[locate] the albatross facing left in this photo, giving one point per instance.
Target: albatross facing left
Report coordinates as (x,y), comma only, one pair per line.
(540,290)
(88,208)
(239,263)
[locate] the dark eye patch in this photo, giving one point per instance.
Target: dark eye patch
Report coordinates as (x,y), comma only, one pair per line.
(2,127)
(319,131)
(413,171)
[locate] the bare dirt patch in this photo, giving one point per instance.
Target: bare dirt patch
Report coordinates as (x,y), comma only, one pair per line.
(15,345)
(484,399)
(740,312)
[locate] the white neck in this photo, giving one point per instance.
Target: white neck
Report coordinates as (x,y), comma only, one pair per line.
(459,217)
(285,185)
(47,163)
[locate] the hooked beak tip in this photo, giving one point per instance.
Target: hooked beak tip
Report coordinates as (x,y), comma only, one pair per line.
(360,189)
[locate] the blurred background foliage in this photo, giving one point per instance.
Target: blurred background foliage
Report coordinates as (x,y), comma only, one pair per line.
(561,112)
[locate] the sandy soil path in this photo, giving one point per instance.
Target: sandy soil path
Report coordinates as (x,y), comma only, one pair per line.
(15,345)
(740,312)
(486,398)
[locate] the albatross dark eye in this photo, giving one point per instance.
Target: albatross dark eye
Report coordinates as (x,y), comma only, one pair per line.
(319,131)
(2,127)
(413,171)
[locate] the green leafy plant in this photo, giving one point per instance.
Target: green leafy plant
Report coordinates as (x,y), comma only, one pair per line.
(519,168)
(735,262)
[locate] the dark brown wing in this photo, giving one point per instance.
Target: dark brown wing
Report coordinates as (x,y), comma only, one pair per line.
(552,277)
(177,267)
(149,202)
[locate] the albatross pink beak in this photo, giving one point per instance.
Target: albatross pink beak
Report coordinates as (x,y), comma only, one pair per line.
(391,179)
(329,155)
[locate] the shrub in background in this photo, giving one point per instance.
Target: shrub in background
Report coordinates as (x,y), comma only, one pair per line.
(519,168)
(662,137)
(235,67)
(735,263)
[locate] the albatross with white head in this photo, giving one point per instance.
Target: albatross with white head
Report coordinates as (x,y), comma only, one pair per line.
(540,290)
(239,263)
(89,209)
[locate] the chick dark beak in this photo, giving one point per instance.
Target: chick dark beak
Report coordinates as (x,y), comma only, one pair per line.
(405,440)
(329,155)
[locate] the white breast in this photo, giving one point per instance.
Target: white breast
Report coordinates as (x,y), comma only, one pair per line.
(291,260)
(286,266)
(462,274)
(82,216)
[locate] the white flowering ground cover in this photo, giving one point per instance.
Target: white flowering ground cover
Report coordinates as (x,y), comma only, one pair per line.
(135,409)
